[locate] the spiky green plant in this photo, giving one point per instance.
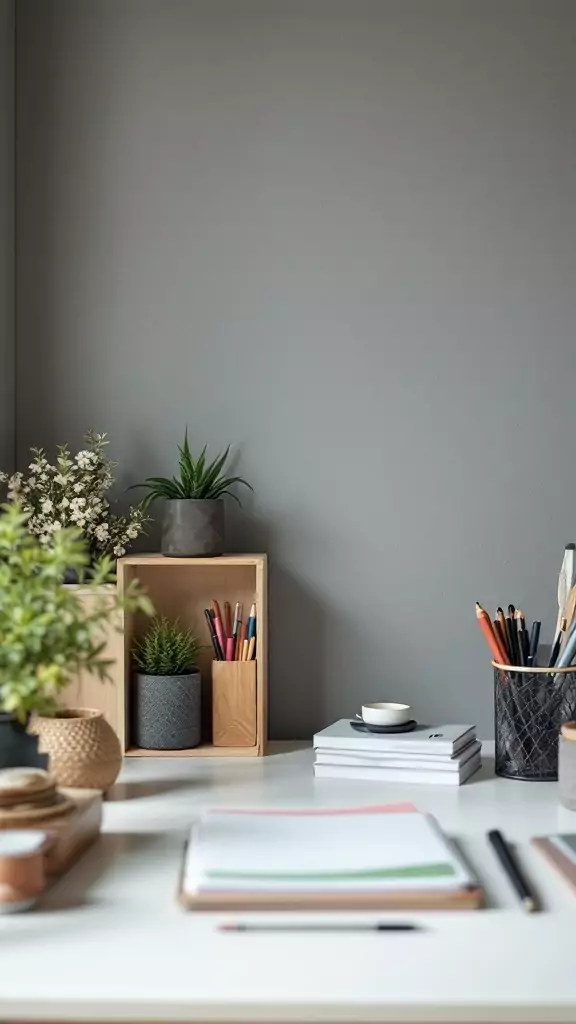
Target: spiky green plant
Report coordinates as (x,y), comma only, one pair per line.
(166,649)
(197,479)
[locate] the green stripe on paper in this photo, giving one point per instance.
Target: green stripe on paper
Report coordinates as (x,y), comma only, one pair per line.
(440,870)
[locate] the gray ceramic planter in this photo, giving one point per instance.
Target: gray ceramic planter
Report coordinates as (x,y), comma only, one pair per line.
(166,711)
(193,528)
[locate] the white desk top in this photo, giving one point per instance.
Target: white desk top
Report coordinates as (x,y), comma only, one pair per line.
(111,943)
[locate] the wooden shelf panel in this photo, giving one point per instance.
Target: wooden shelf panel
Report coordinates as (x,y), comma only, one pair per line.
(225,560)
(181,588)
(204,750)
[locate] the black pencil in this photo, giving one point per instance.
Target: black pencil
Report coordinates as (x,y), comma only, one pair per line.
(557,644)
(534,638)
(512,640)
(215,642)
(505,856)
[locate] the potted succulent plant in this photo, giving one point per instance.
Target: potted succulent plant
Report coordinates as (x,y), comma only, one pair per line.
(48,634)
(194,513)
(166,705)
(73,491)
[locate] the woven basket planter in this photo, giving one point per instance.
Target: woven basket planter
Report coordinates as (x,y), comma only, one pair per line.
(83,748)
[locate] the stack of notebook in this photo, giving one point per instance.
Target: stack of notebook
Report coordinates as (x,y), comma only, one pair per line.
(343,858)
(445,755)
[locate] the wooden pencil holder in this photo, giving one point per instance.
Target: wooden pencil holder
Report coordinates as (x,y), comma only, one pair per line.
(234,720)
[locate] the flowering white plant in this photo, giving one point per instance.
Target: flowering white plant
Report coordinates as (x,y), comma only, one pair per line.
(73,493)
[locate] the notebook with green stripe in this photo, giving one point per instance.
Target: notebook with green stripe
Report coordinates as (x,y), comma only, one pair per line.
(328,858)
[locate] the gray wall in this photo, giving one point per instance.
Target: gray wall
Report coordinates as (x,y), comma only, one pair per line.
(6,234)
(342,235)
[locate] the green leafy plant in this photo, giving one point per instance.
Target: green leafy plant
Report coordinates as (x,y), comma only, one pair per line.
(166,649)
(48,632)
(198,478)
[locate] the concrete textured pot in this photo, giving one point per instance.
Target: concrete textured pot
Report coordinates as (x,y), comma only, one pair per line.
(166,711)
(193,528)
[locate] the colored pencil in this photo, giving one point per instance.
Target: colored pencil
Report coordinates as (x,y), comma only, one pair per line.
(245,650)
(500,636)
(218,625)
(213,636)
(502,620)
(227,619)
(498,653)
(251,649)
(229,648)
(252,623)
(240,641)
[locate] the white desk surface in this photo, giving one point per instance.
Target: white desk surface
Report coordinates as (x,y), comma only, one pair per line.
(110,943)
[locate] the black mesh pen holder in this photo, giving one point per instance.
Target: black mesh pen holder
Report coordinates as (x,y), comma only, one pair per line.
(530,705)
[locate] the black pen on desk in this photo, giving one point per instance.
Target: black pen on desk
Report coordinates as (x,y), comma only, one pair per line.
(507,860)
(215,642)
(320,926)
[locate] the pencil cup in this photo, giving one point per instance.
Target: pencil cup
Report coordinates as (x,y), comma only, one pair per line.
(530,705)
(234,703)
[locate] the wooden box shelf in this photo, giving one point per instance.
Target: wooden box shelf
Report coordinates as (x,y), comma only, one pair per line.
(181,588)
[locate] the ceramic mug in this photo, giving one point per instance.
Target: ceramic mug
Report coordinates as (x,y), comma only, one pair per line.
(386,713)
(22,875)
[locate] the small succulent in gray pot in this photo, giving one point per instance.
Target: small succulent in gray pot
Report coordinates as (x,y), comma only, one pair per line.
(167,688)
(194,522)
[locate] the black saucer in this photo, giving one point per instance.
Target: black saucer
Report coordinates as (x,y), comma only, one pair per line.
(384,730)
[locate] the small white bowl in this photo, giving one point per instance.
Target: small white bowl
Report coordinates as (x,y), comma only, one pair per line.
(386,714)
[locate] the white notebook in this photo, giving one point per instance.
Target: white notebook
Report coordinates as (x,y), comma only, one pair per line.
(424,739)
(324,852)
(389,759)
(415,775)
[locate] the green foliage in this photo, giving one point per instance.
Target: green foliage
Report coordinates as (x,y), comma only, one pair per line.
(47,631)
(166,650)
(198,478)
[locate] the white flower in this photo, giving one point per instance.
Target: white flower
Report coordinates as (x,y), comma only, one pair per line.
(78,487)
(101,532)
(64,503)
(31,481)
(56,525)
(84,459)
(35,467)
(78,502)
(61,479)
(132,532)
(45,538)
(119,551)
(47,505)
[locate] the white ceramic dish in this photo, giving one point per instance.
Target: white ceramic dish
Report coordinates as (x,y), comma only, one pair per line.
(386,713)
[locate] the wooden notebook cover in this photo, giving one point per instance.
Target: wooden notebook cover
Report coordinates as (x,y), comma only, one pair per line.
(563,865)
(468,898)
